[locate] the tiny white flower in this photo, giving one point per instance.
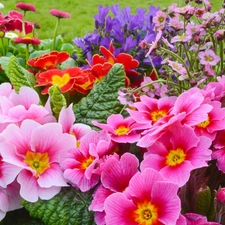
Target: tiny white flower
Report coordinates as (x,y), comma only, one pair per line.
(1,6)
(11,35)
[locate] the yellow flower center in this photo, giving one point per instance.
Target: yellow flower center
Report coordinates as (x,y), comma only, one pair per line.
(208,58)
(122,130)
(61,81)
(204,124)
(146,213)
(161,19)
(175,157)
(87,162)
(158,114)
(37,161)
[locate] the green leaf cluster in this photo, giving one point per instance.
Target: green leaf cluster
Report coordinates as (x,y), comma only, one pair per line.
(102,101)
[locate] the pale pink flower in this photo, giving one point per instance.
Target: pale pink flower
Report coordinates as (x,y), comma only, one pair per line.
(184,37)
(159,19)
(219,34)
(208,57)
(149,199)
(81,165)
(155,43)
(177,67)
(175,154)
(176,24)
(35,149)
(10,199)
(67,119)
(121,130)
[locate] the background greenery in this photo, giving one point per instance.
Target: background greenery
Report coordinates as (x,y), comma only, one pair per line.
(82,13)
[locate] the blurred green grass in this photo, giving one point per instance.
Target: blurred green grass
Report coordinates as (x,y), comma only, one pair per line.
(82,13)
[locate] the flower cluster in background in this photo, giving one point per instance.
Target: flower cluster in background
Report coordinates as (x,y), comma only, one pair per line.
(130,132)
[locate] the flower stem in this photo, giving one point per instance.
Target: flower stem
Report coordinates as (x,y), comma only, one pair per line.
(55,33)
(27,54)
(179,58)
(3,47)
(221,55)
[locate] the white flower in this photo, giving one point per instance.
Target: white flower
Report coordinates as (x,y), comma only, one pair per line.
(1,6)
(11,35)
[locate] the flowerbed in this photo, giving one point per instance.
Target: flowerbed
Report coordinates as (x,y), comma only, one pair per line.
(126,126)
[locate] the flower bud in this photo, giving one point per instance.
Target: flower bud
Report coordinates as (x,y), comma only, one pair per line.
(220,195)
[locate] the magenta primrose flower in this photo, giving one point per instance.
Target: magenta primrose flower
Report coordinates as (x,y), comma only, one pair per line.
(121,130)
(208,57)
(149,199)
(176,154)
(38,157)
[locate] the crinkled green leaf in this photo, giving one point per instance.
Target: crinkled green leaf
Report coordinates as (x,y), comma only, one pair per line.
(68,63)
(69,207)
(57,100)
(102,100)
(39,53)
(17,75)
(203,201)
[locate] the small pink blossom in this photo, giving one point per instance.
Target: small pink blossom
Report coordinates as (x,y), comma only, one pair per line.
(181,38)
(208,57)
(160,19)
(177,67)
(121,130)
(59,14)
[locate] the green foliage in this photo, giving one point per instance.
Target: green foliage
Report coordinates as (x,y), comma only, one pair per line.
(17,75)
(69,207)
(57,100)
(205,202)
(81,21)
(102,100)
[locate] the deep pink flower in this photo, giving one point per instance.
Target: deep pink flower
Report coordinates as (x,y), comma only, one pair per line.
(220,195)
(149,199)
(28,148)
(197,219)
(208,57)
(214,122)
(59,14)
(176,154)
(25,6)
(114,170)
(121,130)
(82,166)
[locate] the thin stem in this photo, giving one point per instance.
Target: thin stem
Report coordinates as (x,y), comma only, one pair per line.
(221,54)
(3,47)
(27,54)
(179,58)
(55,33)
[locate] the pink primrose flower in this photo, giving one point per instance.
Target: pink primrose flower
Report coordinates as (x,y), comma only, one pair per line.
(214,122)
(149,199)
(121,130)
(16,107)
(191,104)
(197,219)
(209,71)
(36,148)
(176,154)
(67,119)
(219,154)
(10,199)
(208,57)
(151,111)
(115,177)
(81,165)
(199,12)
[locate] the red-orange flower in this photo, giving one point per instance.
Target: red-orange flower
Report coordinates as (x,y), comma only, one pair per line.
(70,79)
(49,61)
(102,64)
